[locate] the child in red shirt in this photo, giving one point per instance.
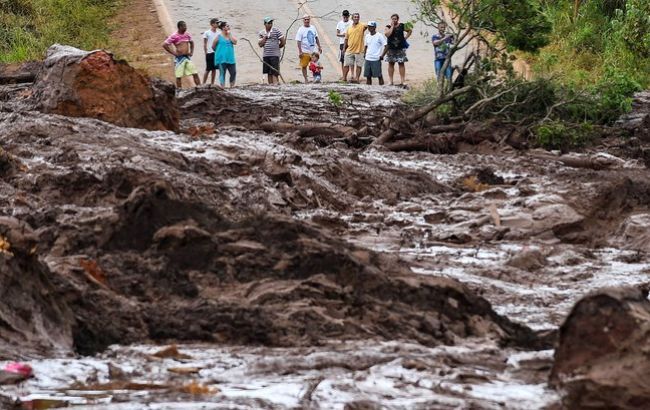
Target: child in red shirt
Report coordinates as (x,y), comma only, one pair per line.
(315,67)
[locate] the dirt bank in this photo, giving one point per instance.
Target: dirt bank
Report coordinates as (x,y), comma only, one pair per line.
(137,36)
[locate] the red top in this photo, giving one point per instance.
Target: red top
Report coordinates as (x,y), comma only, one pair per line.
(314,68)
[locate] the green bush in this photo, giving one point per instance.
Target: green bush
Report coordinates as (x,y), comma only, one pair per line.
(563,136)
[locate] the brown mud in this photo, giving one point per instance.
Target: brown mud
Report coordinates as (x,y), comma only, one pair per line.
(269,221)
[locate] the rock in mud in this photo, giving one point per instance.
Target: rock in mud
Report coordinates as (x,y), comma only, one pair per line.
(601,361)
(93,84)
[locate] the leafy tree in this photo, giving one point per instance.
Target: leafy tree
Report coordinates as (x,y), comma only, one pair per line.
(493,25)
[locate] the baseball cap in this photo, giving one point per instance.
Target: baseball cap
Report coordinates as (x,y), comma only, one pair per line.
(306,16)
(345,13)
(268,19)
(372,24)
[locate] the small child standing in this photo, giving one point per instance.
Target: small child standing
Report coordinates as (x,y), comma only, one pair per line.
(315,67)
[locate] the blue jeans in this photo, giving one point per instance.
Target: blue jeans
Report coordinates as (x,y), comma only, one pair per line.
(232,71)
(439,64)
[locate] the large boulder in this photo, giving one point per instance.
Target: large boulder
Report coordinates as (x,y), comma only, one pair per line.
(601,361)
(94,84)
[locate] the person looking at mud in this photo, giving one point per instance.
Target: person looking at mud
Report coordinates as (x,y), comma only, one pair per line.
(315,67)
(354,49)
(341,28)
(375,46)
(208,39)
(442,43)
(272,40)
(224,54)
(307,40)
(182,50)
(396,34)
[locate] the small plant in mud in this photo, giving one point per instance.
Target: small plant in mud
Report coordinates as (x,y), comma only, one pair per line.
(335,98)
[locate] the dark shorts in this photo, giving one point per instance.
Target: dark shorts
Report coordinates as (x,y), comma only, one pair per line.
(341,54)
(209,62)
(274,63)
(372,69)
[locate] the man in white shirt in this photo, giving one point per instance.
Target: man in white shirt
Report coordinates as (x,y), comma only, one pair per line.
(208,38)
(341,28)
(375,47)
(307,39)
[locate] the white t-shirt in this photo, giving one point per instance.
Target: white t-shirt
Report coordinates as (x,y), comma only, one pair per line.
(375,46)
(307,37)
(211,35)
(341,28)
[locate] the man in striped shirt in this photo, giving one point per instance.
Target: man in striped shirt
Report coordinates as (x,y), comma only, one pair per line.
(272,40)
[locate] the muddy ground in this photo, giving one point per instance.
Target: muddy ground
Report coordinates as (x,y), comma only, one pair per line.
(301,269)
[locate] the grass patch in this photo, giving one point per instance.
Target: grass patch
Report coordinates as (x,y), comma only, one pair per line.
(29,27)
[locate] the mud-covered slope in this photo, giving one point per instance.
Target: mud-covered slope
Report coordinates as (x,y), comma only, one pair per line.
(142,242)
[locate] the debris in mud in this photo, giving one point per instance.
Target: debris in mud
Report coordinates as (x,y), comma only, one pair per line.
(601,360)
(93,84)
(171,352)
(14,372)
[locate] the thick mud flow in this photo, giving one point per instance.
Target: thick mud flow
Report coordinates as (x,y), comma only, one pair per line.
(300,267)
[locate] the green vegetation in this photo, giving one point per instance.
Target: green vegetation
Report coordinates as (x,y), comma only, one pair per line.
(595,42)
(335,98)
(29,27)
(588,58)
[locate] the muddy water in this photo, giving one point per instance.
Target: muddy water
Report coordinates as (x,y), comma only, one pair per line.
(502,241)
(245,18)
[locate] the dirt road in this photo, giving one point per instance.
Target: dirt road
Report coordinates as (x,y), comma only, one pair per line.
(245,16)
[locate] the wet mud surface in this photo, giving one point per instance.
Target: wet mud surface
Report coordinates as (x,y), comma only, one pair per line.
(321,272)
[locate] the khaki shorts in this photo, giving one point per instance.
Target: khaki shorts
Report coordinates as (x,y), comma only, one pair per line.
(305,58)
(185,68)
(352,59)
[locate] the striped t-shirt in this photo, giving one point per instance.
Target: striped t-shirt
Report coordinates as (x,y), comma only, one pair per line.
(272,46)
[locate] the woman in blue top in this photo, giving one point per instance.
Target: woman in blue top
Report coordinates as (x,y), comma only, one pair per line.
(224,54)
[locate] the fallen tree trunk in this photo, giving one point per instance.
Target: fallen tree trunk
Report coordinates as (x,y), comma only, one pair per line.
(438,144)
(19,73)
(418,114)
(596,162)
(310,130)
(17,78)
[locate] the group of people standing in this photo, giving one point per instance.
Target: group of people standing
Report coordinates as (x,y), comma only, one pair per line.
(362,47)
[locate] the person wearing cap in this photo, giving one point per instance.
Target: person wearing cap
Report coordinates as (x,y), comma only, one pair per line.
(354,49)
(341,28)
(208,39)
(375,46)
(307,40)
(272,40)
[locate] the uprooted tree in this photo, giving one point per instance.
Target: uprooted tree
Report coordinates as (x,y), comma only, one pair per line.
(489,101)
(484,31)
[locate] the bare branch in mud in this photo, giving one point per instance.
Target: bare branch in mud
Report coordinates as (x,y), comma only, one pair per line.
(487,100)
(418,114)
(261,59)
(310,389)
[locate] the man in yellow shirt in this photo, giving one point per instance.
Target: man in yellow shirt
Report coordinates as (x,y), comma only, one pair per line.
(354,46)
